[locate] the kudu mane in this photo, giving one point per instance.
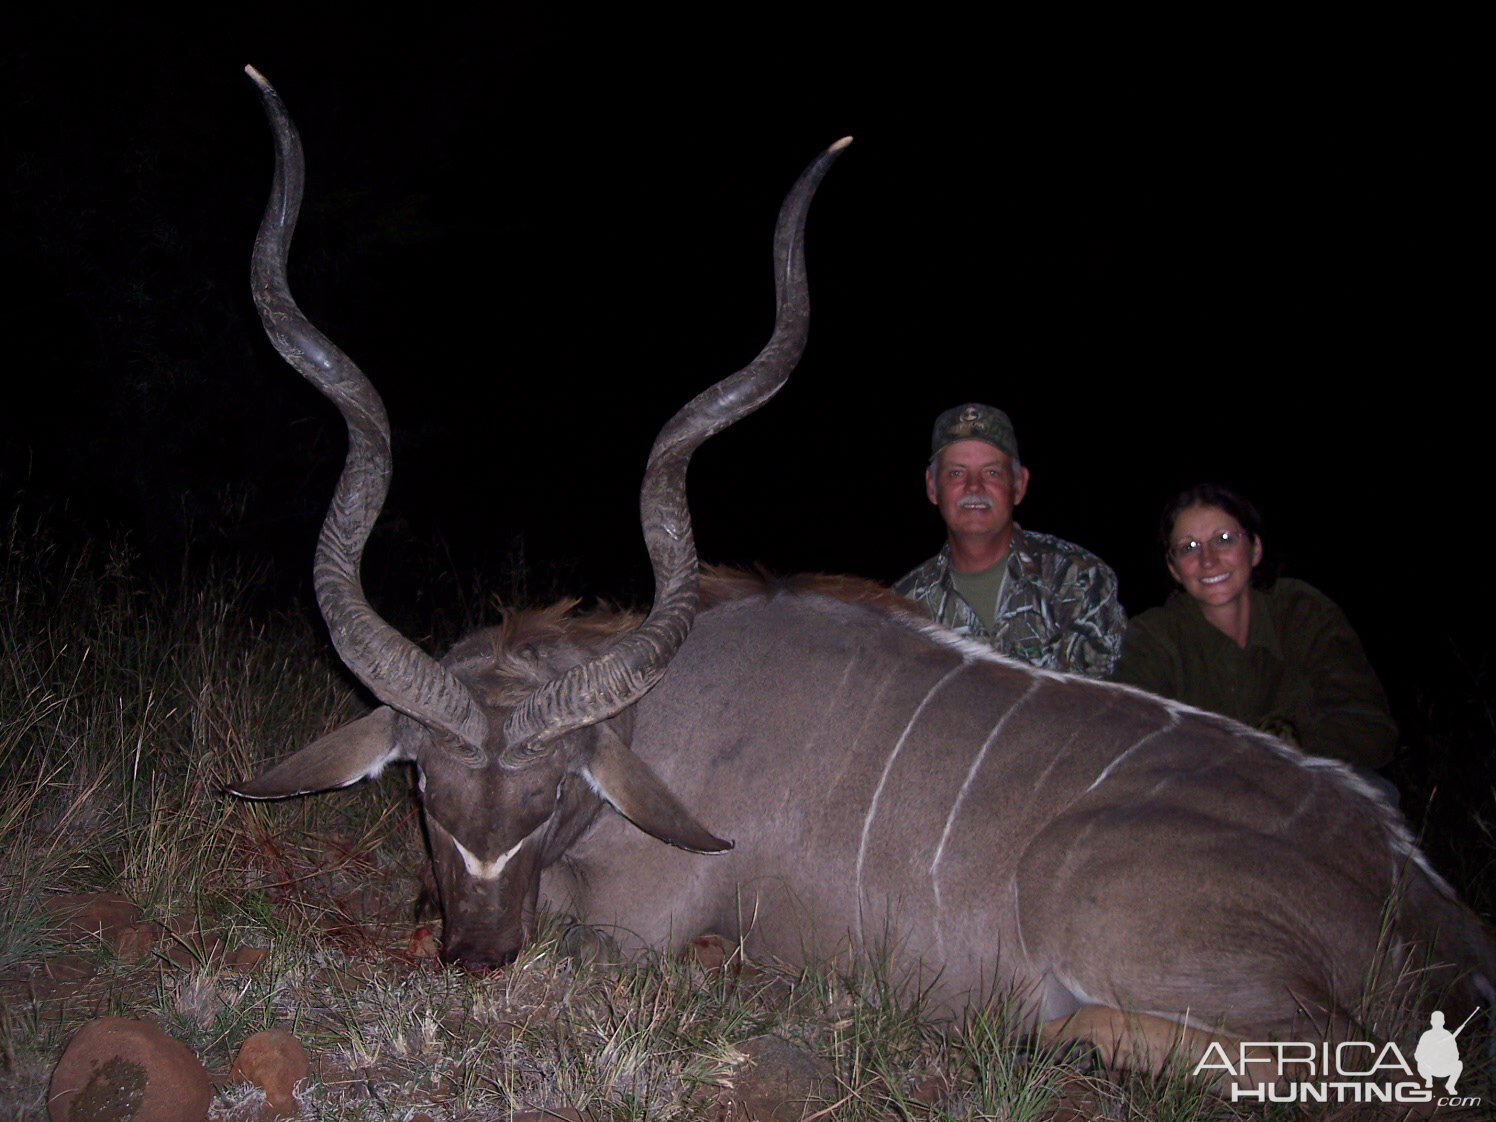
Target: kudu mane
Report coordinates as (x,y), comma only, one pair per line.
(721,584)
(530,646)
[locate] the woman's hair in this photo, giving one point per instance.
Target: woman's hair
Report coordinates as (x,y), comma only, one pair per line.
(1237,506)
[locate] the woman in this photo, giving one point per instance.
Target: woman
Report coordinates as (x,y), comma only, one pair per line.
(1277,655)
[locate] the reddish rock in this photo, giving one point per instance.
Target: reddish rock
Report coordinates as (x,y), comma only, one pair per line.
(136,942)
(929,1088)
(709,951)
(422,943)
(715,953)
(102,915)
(274,1061)
(246,958)
(114,1070)
(69,968)
(193,950)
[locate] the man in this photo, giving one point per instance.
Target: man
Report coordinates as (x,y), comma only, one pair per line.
(1031,596)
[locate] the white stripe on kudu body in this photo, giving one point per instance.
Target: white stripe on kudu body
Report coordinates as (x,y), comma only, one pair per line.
(997,822)
(1130,749)
(872,809)
(950,819)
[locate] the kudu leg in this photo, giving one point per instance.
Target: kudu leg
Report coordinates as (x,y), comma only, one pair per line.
(1140,1042)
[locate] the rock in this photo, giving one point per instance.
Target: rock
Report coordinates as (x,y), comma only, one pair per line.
(69,968)
(192,951)
(708,951)
(245,958)
(106,916)
(274,1061)
(422,944)
(929,1088)
(135,943)
(115,1070)
(716,953)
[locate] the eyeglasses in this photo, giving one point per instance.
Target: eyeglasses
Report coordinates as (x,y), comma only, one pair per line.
(1219,543)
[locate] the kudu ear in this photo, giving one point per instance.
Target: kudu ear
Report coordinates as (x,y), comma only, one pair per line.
(358,750)
(625,783)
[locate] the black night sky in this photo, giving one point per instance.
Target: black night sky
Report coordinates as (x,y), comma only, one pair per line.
(1247,257)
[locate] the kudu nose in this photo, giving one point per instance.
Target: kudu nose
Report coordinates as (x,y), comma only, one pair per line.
(476,959)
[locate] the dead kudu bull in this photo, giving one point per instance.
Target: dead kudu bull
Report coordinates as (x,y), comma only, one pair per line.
(886,786)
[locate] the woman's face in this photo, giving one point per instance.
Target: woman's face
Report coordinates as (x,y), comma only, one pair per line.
(1211,556)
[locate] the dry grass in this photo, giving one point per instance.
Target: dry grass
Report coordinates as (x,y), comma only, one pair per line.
(122,714)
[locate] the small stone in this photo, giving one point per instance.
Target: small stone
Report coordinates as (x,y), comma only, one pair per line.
(708,951)
(716,953)
(422,943)
(192,951)
(69,968)
(274,1061)
(246,958)
(102,915)
(136,942)
(929,1088)
(116,1070)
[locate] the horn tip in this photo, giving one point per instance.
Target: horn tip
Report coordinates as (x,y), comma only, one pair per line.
(840,144)
(259,79)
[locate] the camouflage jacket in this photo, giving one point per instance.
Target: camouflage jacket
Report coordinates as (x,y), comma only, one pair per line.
(1058,608)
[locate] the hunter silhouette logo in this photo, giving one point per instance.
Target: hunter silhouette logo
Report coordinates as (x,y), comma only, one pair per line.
(1437,1055)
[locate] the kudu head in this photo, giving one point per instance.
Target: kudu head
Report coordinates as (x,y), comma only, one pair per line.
(517,748)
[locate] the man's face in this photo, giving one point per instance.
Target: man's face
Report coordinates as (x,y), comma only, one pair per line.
(975,487)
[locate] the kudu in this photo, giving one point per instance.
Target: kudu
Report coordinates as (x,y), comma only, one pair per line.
(887,786)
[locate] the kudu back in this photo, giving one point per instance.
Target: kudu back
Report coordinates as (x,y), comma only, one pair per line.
(886,787)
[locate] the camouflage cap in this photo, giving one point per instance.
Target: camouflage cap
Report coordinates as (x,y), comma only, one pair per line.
(975,422)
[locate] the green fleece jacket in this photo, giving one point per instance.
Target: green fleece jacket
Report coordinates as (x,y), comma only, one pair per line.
(1302,673)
